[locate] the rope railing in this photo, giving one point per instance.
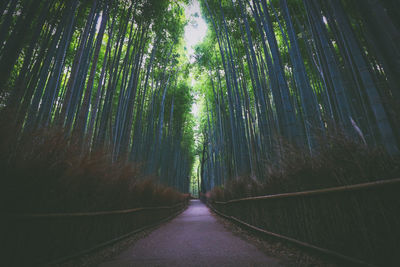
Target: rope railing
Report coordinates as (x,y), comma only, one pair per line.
(345,188)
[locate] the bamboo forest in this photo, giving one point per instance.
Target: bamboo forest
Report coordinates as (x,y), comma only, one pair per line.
(281,115)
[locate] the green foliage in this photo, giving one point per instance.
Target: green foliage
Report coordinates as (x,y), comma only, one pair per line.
(124,112)
(269,77)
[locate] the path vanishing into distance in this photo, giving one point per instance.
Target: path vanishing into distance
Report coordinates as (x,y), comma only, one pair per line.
(194,238)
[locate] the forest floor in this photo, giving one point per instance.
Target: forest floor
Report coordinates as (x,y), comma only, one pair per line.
(198,237)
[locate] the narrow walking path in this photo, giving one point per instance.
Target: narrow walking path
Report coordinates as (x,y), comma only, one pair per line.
(194,238)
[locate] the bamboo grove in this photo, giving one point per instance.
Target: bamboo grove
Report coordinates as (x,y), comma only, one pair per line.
(108,73)
(291,72)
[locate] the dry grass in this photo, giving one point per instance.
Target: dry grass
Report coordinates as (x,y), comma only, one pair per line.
(338,161)
(47,172)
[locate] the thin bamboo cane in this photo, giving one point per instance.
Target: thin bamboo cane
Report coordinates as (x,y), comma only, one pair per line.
(347,188)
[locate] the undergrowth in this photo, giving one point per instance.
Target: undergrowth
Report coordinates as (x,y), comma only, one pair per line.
(338,161)
(47,172)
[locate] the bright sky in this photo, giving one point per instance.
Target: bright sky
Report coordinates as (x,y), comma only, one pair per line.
(195,31)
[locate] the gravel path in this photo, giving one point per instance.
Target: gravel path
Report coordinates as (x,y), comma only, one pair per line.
(194,238)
